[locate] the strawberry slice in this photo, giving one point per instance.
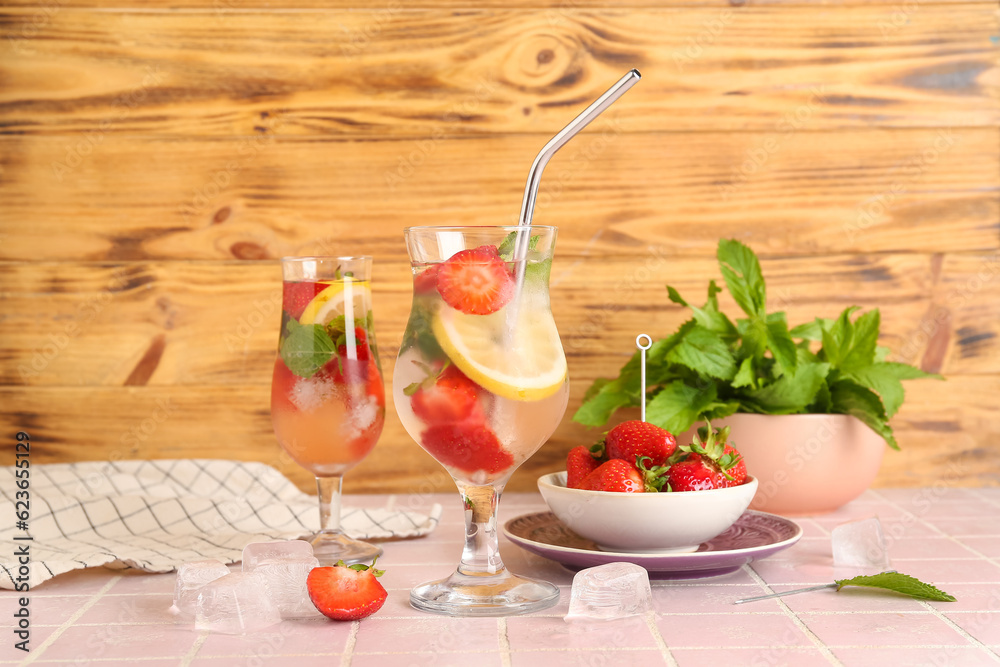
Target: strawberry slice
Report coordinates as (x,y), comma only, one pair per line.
(444,397)
(476,281)
(426,281)
(467,446)
(296,296)
(346,593)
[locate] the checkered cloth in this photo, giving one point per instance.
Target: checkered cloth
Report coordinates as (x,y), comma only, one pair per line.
(156,515)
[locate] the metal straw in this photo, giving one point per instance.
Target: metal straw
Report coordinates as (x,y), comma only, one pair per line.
(642,371)
(549,149)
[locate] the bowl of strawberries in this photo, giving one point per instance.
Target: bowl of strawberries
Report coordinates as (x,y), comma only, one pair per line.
(637,491)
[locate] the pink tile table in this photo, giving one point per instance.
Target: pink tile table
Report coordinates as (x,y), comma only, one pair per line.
(950,537)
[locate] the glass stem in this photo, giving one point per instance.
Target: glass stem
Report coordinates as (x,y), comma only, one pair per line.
(481,555)
(329,503)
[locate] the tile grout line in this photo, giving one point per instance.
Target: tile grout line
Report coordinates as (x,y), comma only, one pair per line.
(661,643)
(941,533)
(504,641)
(798,622)
(957,628)
(193,651)
(352,639)
(69,621)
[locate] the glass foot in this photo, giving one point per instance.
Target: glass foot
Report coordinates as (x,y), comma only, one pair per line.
(502,594)
(332,547)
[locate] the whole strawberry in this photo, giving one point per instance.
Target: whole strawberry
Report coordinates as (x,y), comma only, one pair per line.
(635,438)
(580,462)
(709,462)
(620,476)
(346,593)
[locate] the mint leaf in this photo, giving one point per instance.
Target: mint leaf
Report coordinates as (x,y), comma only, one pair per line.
(704,352)
(839,338)
(883,382)
(745,376)
(791,392)
(719,410)
(509,243)
(901,583)
(811,330)
(850,398)
(753,333)
(780,342)
(678,406)
(598,408)
(908,372)
(864,340)
(306,348)
(743,276)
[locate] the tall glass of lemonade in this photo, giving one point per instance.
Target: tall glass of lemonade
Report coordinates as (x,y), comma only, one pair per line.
(327,394)
(480,383)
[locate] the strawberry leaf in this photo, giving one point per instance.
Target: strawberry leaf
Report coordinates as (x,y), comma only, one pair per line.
(901,583)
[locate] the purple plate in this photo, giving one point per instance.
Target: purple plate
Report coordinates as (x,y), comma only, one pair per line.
(755,535)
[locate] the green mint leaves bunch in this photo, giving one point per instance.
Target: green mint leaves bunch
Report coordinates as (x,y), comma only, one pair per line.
(712,367)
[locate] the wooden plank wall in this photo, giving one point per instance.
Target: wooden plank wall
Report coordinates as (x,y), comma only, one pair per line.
(156,159)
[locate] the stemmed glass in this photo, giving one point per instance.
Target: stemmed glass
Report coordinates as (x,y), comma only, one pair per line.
(480,383)
(327,394)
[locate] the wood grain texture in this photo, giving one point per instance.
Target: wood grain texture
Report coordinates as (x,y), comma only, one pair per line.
(206,323)
(156,159)
(801,193)
(428,72)
(233,422)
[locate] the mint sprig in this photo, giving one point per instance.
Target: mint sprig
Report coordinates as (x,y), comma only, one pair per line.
(712,366)
(306,348)
(901,583)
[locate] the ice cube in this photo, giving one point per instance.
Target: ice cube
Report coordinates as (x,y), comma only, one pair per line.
(860,544)
(190,578)
(235,604)
(309,394)
(255,552)
(611,591)
(284,565)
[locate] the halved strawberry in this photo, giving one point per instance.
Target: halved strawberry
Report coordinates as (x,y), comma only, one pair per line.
(467,446)
(346,593)
(476,281)
(296,296)
(426,280)
(444,397)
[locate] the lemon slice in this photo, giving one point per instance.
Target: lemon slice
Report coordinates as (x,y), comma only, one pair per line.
(529,367)
(330,303)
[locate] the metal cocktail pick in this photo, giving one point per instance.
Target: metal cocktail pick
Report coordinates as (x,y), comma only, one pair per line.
(549,149)
(642,371)
(796,591)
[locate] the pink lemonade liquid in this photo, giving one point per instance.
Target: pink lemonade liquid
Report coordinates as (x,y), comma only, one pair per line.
(479,396)
(327,394)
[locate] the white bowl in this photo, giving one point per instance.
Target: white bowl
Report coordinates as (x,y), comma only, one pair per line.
(646,522)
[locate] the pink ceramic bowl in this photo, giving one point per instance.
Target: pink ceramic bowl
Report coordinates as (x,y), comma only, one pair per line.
(805,464)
